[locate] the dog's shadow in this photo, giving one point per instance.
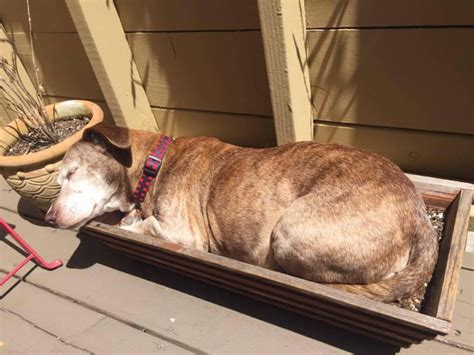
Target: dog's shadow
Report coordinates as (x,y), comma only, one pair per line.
(91,251)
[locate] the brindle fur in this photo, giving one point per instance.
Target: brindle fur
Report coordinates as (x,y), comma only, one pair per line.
(323,212)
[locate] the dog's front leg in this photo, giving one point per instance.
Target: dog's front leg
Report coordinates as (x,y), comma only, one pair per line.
(132,217)
(148,226)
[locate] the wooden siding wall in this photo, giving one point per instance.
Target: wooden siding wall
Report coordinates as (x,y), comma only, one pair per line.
(394,77)
(201,62)
(397,78)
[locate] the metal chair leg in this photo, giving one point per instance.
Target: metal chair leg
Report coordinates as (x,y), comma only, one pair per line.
(32,254)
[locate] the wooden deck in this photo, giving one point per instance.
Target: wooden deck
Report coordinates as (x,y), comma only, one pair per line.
(104,302)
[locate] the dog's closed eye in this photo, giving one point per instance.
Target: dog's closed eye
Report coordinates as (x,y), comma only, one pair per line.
(70,173)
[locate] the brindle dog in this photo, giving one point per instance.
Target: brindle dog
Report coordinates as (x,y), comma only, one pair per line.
(323,212)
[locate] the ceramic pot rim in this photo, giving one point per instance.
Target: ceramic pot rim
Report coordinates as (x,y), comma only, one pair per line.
(56,150)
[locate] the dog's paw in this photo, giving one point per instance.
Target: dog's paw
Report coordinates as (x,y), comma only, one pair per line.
(130,219)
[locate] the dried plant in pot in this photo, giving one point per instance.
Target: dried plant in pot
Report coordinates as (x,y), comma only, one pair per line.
(33,145)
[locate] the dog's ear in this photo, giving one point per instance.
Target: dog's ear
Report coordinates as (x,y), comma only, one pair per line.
(115,136)
(115,139)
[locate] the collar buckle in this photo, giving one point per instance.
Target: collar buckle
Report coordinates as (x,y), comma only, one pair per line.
(152,165)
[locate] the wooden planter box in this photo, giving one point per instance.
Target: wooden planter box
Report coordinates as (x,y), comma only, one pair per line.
(373,319)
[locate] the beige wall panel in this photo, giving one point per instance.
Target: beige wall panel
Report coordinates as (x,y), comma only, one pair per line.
(433,154)
(187,15)
(385,13)
(410,78)
(242,130)
(212,71)
(63,65)
(46,16)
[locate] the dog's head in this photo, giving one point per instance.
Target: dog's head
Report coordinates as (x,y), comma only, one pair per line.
(93,177)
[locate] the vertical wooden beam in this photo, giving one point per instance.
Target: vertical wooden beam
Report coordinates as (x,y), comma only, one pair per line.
(99,27)
(283,27)
(7,51)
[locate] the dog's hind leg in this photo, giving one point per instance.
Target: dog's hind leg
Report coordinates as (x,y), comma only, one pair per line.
(320,238)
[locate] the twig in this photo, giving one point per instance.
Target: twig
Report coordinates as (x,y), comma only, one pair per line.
(31,44)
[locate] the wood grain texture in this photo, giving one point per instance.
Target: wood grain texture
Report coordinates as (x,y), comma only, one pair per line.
(249,131)
(409,78)
(443,186)
(284,41)
(436,199)
(386,13)
(216,15)
(104,42)
(211,71)
(444,288)
(187,15)
(432,154)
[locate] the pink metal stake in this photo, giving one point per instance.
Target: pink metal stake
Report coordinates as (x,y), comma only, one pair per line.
(33,255)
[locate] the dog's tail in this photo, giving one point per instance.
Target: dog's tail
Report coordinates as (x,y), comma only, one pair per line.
(407,282)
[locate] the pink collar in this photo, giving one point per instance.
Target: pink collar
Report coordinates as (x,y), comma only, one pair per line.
(150,170)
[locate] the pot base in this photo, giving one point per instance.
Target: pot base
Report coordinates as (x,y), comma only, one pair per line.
(36,183)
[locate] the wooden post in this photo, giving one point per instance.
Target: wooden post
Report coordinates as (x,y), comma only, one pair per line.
(284,40)
(103,38)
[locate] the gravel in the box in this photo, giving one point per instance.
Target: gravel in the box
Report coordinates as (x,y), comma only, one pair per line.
(32,142)
(436,217)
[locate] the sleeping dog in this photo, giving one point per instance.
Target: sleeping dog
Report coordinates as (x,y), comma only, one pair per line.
(322,212)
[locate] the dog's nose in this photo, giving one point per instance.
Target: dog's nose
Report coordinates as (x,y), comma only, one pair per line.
(51,216)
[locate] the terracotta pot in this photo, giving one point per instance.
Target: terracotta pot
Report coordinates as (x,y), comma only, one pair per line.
(34,175)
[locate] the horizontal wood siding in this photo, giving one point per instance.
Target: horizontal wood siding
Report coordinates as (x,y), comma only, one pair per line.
(213,71)
(46,15)
(412,78)
(435,154)
(188,15)
(388,13)
(395,77)
(63,65)
(259,131)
